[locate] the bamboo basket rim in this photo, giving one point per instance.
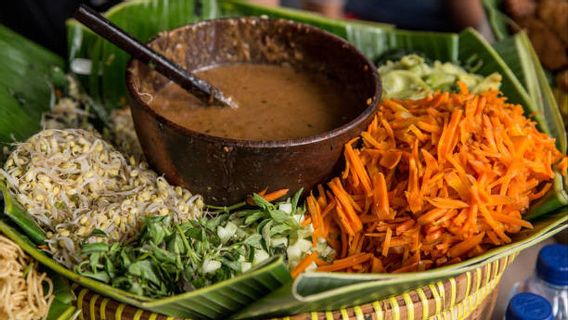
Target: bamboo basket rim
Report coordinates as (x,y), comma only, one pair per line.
(456,297)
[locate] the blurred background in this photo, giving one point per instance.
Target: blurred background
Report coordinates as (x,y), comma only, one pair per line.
(43,20)
(546,21)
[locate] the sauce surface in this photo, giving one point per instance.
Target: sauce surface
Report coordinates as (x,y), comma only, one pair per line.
(275,103)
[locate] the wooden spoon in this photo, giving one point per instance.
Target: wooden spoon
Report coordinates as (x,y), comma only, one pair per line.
(200,88)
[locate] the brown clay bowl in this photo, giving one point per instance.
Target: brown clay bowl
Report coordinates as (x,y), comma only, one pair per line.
(225,170)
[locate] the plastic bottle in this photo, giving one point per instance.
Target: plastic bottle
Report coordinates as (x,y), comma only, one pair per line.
(550,279)
(529,306)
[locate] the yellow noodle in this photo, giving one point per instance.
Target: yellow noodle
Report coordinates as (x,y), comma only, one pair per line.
(22,296)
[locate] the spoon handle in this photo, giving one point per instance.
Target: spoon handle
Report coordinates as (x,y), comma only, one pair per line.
(106,29)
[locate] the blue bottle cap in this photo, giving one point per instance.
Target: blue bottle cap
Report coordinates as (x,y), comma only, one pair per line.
(552,264)
(529,306)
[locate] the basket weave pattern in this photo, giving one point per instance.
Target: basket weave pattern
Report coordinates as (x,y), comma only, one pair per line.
(469,295)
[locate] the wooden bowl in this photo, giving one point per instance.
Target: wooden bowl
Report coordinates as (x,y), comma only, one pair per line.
(225,170)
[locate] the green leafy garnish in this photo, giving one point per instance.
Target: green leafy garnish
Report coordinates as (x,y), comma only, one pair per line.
(168,258)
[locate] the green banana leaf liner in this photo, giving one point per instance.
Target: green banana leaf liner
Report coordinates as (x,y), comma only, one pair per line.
(62,307)
(22,102)
(498,21)
(25,88)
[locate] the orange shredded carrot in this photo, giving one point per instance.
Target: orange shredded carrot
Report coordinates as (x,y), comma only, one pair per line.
(328,209)
(304,263)
(542,191)
(342,264)
(512,220)
(358,168)
(436,181)
(275,195)
(432,215)
(387,242)
(377,266)
(466,245)
(307,220)
(390,159)
(261,193)
(381,197)
(447,203)
(346,212)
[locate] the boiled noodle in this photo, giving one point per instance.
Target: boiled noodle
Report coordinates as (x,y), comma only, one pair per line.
(22,294)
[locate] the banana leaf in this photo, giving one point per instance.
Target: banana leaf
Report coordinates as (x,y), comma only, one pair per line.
(14,211)
(339,27)
(25,90)
(497,20)
(557,197)
(25,93)
(62,306)
(562,100)
(433,45)
(62,311)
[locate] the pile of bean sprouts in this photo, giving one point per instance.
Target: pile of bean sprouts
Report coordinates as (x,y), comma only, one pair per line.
(75,185)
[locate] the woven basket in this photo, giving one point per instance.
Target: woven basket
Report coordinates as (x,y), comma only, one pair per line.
(470,295)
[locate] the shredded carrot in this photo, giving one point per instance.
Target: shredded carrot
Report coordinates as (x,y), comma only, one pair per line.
(466,245)
(381,197)
(348,216)
(387,242)
(275,195)
(435,181)
(261,193)
(390,159)
(447,203)
(348,262)
(304,263)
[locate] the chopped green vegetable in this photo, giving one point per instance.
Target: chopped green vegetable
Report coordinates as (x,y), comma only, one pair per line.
(412,78)
(168,258)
